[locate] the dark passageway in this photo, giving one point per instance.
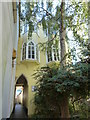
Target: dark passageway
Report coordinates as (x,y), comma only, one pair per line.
(20,98)
(19,112)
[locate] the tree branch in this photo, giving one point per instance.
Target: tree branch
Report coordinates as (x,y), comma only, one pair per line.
(66,10)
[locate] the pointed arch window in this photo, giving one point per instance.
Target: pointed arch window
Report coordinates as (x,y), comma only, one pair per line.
(53,54)
(24,52)
(31,50)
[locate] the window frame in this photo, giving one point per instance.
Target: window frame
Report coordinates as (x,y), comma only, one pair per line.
(52,54)
(34,45)
(22,51)
(36,53)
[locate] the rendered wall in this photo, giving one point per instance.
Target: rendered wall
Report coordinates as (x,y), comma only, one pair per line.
(0,61)
(28,67)
(9,39)
(25,96)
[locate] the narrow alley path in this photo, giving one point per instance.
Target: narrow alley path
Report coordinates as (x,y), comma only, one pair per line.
(19,112)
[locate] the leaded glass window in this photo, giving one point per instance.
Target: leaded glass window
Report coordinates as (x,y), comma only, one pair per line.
(24,51)
(31,50)
(53,54)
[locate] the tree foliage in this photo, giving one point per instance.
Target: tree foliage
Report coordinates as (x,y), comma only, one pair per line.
(49,15)
(70,79)
(54,82)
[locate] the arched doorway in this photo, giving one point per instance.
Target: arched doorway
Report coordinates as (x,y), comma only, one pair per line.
(21,92)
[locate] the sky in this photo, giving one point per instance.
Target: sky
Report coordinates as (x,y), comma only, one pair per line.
(18,90)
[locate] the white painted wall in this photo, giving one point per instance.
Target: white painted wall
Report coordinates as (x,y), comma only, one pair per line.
(0,61)
(9,41)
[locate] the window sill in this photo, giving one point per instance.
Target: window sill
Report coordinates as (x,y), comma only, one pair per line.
(30,61)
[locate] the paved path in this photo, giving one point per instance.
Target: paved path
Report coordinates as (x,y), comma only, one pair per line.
(19,112)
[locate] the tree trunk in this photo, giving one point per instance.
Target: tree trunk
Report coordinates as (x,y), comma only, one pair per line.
(62,34)
(64,107)
(64,101)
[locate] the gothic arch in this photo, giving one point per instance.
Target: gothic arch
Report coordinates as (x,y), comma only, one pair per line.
(21,83)
(22,76)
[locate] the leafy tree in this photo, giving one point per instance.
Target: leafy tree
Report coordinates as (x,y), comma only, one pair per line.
(54,83)
(58,20)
